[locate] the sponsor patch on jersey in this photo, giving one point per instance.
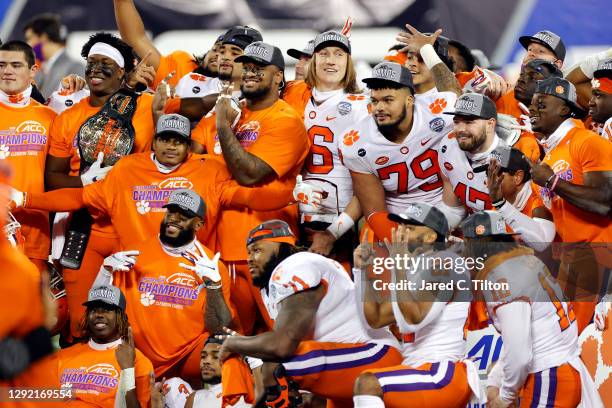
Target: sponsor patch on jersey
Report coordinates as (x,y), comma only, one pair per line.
(312,114)
(69,102)
(361,152)
(404,150)
(448,166)
(344,108)
(437,124)
(443,149)
(470,175)
(195,89)
(382,160)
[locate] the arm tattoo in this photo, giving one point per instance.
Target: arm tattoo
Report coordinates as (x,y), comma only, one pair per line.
(246,168)
(445,79)
(216,314)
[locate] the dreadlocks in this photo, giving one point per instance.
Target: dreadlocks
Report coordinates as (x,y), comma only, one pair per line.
(122,324)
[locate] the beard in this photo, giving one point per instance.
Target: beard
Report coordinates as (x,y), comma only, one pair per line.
(262,281)
(184,237)
(475,142)
(255,94)
(389,130)
(212,380)
(224,76)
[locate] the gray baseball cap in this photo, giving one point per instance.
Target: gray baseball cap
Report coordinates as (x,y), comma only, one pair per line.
(474,105)
(547,38)
(390,72)
(484,224)
(173,124)
(306,52)
(561,88)
(111,295)
(188,201)
(263,54)
(604,69)
(422,214)
(329,38)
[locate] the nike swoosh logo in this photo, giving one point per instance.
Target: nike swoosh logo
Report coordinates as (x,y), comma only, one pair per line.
(328,118)
(424,142)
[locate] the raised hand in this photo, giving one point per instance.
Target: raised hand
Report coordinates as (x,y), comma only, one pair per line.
(125,353)
(207,269)
(227,109)
(141,74)
(120,261)
(414,39)
(306,193)
(494,179)
(95,172)
(363,256)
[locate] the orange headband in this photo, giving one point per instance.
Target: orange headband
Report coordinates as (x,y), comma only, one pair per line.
(602,84)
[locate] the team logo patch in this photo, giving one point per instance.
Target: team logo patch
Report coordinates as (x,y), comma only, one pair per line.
(448,166)
(361,152)
(312,114)
(69,102)
(344,108)
(351,137)
(480,229)
(195,89)
(559,89)
(404,150)
(382,160)
(470,175)
(437,124)
(437,106)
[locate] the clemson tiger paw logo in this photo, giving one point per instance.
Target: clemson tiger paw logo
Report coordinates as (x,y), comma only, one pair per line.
(147,298)
(4,151)
(437,106)
(351,137)
(143,207)
(302,198)
(353,97)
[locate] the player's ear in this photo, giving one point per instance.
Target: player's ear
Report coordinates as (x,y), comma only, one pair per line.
(199,223)
(430,236)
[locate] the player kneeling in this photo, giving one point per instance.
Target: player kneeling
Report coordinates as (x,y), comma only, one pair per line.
(431,322)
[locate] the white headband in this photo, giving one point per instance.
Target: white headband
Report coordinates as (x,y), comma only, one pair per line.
(107,50)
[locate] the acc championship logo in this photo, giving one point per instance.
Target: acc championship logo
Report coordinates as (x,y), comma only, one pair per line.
(177,291)
(153,197)
(247,133)
(99,378)
(26,139)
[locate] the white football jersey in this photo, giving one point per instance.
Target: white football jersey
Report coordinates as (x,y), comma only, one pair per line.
(325,124)
(176,390)
(408,171)
(212,397)
(59,101)
(606,130)
(469,186)
(197,85)
(336,319)
(554,332)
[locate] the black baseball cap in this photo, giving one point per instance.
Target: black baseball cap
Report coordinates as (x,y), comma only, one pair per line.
(548,39)
(563,89)
(604,69)
(306,52)
(263,54)
(540,64)
(484,224)
(241,36)
(329,38)
(422,214)
(106,294)
(510,160)
(474,105)
(393,72)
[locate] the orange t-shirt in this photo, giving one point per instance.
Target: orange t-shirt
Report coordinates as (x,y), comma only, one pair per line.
(166,304)
(528,144)
(180,62)
(24,135)
(509,105)
(134,191)
(63,141)
(581,151)
(277,136)
(94,375)
(297,94)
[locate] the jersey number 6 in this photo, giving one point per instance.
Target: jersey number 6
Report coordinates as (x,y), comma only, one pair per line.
(322,151)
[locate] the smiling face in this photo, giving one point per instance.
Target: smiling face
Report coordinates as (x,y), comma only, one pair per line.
(169,149)
(259,81)
(102,322)
(547,112)
(228,68)
(330,67)
(472,132)
(211,60)
(103,75)
(210,366)
(15,75)
(421,75)
(390,107)
(536,50)
(177,228)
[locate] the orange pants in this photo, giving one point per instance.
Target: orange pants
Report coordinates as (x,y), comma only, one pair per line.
(79,281)
(441,384)
(247,299)
(329,370)
(556,387)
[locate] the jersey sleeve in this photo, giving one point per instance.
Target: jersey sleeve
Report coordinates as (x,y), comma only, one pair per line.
(296,274)
(592,152)
(179,62)
(59,145)
(283,145)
